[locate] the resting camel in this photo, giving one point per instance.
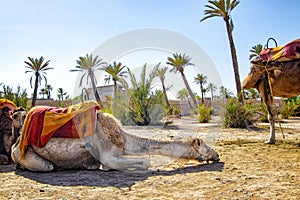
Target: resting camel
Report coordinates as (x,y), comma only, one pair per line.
(9,131)
(5,136)
(284,79)
(110,147)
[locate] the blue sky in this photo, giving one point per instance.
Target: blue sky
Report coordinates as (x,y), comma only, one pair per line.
(63,30)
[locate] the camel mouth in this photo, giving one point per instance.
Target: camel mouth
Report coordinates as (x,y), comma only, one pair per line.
(214,160)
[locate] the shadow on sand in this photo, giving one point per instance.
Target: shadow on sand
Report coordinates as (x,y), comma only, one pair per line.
(100,178)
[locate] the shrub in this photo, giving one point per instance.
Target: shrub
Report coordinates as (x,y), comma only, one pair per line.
(236,115)
(290,108)
(204,115)
(259,111)
(173,110)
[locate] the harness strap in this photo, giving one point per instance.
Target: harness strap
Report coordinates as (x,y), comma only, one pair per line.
(274,105)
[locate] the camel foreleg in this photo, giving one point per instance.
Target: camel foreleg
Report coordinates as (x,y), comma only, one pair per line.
(109,161)
(265,92)
(271,118)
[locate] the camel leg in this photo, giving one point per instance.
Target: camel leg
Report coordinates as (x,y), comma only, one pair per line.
(271,118)
(111,156)
(110,161)
(8,142)
(265,92)
(31,160)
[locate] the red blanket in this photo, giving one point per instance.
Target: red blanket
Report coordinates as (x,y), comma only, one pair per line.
(42,123)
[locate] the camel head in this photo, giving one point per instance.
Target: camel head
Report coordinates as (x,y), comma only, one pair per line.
(18,117)
(256,72)
(205,153)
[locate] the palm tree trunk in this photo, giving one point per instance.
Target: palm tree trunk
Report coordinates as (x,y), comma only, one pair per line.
(189,90)
(202,96)
(165,94)
(234,62)
(115,88)
(97,96)
(36,84)
(188,100)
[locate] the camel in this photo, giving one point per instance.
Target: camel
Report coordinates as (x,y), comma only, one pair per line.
(111,147)
(10,127)
(5,136)
(284,78)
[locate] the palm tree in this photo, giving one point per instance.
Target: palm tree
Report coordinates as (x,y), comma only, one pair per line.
(38,68)
(48,88)
(161,72)
(117,74)
(43,92)
(201,79)
(225,92)
(223,8)
(61,93)
(212,88)
(251,94)
(255,51)
(89,66)
(107,79)
(184,94)
(142,98)
(178,62)
(204,92)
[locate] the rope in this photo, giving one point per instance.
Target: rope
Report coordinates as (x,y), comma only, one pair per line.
(274,105)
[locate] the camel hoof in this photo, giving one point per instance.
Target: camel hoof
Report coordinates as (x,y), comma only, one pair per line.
(270,142)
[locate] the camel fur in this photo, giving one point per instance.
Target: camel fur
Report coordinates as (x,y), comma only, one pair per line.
(10,126)
(284,78)
(110,147)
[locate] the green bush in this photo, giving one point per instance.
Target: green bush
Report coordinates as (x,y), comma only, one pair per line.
(204,115)
(236,115)
(264,113)
(290,108)
(173,110)
(259,111)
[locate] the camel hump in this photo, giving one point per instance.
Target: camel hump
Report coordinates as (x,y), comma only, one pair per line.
(110,128)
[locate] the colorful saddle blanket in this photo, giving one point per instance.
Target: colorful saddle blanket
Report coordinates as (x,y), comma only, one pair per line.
(290,51)
(42,123)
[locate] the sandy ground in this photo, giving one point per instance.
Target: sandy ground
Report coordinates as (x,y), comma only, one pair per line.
(249,169)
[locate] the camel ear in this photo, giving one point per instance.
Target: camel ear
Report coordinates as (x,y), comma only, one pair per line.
(198,141)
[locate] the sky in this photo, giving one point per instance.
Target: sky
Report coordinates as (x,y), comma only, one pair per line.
(63,30)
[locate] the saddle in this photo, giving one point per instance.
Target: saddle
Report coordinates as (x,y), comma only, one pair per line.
(288,52)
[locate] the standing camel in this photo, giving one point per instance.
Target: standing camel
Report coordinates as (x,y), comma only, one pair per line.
(274,78)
